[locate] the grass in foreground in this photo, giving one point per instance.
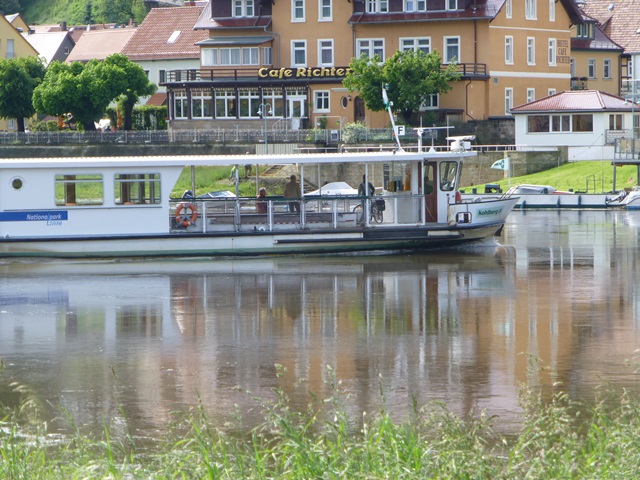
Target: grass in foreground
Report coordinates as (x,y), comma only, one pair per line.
(591,177)
(560,438)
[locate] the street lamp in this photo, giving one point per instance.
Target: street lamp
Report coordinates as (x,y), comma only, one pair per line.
(264,111)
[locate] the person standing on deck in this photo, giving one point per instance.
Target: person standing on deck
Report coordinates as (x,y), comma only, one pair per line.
(261,202)
(292,190)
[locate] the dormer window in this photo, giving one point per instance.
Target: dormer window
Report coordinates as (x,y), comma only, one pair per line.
(583,30)
(243,8)
(377,6)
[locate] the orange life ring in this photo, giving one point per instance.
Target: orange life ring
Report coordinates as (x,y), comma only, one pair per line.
(185,219)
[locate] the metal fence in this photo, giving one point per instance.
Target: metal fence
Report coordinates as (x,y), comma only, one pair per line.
(220,135)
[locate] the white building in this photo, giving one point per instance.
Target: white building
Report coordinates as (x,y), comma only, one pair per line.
(586,121)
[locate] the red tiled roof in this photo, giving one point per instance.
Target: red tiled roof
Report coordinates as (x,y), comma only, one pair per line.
(100,44)
(620,20)
(157,99)
(575,101)
(151,40)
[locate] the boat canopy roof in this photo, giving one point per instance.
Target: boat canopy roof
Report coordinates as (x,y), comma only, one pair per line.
(225,160)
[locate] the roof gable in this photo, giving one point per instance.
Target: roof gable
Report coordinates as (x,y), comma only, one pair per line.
(620,20)
(100,44)
(167,33)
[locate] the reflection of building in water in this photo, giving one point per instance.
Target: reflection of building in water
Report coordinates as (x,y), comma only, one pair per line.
(445,326)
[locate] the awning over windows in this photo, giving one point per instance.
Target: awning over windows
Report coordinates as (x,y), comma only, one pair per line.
(246,40)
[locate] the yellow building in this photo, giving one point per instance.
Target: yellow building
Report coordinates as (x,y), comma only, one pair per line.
(595,59)
(290,58)
(13,45)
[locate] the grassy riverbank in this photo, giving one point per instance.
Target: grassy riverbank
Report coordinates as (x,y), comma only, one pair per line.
(594,177)
(560,438)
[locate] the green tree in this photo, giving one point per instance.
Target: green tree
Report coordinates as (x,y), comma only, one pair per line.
(412,77)
(10,6)
(138,85)
(86,91)
(118,11)
(18,79)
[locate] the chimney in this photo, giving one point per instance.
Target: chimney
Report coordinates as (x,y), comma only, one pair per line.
(63,26)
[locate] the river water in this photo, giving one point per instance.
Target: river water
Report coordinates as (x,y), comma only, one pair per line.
(132,342)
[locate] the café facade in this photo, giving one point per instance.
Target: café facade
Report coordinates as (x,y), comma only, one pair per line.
(282,64)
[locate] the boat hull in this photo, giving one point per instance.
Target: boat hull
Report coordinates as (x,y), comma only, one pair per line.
(551,201)
(249,243)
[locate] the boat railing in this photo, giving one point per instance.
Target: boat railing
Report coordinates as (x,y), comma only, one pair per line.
(279,213)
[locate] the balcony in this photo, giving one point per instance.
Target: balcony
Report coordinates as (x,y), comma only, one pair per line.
(579,83)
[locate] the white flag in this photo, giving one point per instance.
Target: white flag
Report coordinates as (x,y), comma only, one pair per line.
(501,164)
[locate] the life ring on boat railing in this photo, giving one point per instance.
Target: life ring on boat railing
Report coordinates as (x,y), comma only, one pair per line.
(183,217)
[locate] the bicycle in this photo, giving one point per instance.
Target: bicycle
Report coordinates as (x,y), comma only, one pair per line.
(376,207)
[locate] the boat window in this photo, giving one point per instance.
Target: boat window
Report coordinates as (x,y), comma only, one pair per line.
(137,188)
(79,190)
(448,172)
(17,183)
(397,177)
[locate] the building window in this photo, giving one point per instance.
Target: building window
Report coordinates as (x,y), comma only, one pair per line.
(560,123)
(615,121)
(552,10)
(509,9)
(591,68)
(249,103)
(606,68)
(321,101)
(137,188)
(250,56)
(582,123)
(370,48)
(225,104)
(230,56)
(275,99)
(531,95)
(180,106)
(162,76)
(243,8)
(552,52)
(299,53)
(10,51)
(209,57)
(201,104)
(432,102)
(415,44)
(451,5)
(377,6)
(79,190)
(508,100)
(325,13)
(508,50)
(267,56)
(325,53)
(297,10)
(531,51)
(415,5)
(551,91)
(451,49)
(530,12)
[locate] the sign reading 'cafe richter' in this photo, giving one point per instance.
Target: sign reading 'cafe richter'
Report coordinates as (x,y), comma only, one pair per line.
(303,72)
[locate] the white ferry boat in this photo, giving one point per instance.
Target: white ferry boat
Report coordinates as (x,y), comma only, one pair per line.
(122,207)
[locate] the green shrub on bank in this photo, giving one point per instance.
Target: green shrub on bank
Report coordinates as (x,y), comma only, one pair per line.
(560,438)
